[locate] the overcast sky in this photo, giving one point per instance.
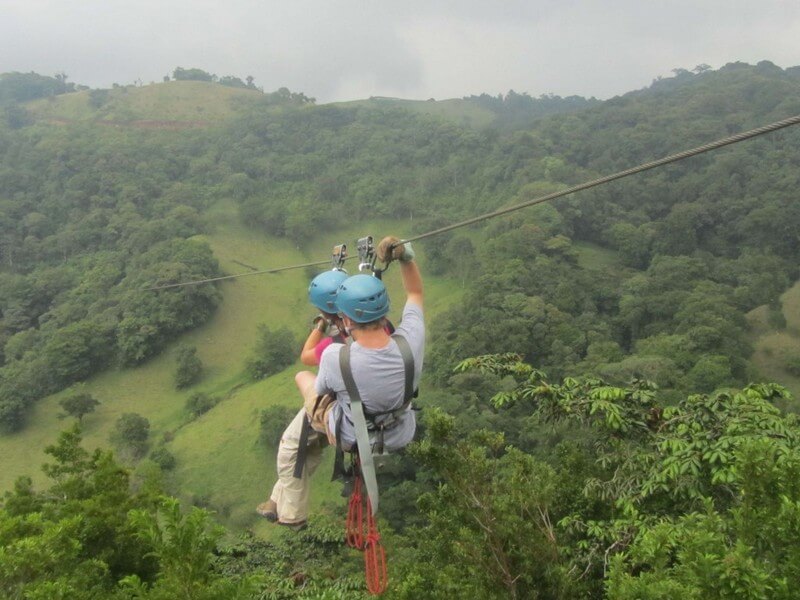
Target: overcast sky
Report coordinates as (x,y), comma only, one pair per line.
(348,49)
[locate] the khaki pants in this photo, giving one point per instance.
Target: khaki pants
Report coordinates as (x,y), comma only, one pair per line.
(290,494)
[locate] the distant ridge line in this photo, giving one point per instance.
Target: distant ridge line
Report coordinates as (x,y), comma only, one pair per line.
(138,123)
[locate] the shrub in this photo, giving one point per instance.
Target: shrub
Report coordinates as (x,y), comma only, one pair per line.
(130,434)
(200,403)
(163,458)
(189,367)
(79,405)
(275,350)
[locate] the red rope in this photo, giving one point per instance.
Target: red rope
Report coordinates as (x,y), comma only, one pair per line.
(363,535)
(374,557)
(354,528)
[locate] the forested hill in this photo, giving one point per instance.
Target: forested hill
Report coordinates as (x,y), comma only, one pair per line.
(699,244)
(120,203)
(613,448)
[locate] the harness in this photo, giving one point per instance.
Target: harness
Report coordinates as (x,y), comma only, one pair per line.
(305,431)
(370,427)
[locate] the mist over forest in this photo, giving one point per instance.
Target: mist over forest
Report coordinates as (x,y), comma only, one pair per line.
(609,394)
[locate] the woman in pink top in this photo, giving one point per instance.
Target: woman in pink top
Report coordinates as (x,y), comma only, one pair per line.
(288,501)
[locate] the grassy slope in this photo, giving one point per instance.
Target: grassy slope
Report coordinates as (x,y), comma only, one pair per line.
(169,101)
(197,101)
(219,459)
(773,346)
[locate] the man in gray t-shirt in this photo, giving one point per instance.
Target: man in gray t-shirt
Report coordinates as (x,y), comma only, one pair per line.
(377,368)
(380,376)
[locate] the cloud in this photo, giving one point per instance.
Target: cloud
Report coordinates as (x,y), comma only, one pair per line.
(342,49)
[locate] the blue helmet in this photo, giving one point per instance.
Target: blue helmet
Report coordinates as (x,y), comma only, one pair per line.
(322,290)
(363,298)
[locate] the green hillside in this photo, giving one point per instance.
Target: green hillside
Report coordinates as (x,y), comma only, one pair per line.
(220,463)
(161,103)
(200,103)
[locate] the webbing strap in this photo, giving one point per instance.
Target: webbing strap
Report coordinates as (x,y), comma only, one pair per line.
(360,427)
(338,460)
(302,449)
(408,364)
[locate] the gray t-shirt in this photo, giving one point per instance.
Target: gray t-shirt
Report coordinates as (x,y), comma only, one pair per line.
(379,374)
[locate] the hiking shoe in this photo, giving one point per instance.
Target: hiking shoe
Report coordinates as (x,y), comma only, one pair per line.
(299,526)
(268,510)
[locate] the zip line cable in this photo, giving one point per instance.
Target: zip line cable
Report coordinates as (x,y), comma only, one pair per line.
(739,137)
(224,277)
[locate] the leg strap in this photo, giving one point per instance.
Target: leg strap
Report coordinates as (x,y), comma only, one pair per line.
(302,450)
(339,469)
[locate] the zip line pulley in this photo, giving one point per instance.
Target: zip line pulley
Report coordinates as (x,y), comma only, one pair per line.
(339,256)
(367,256)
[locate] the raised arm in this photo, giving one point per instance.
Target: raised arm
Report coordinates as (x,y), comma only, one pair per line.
(412,281)
(308,355)
(391,249)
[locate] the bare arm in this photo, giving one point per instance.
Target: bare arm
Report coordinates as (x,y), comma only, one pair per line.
(308,356)
(412,281)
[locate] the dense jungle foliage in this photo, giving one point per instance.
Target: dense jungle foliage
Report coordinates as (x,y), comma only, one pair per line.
(606,493)
(645,463)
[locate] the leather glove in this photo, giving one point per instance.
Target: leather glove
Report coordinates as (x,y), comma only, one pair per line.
(401,252)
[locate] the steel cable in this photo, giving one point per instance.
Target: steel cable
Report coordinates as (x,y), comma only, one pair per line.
(739,137)
(224,277)
(600,181)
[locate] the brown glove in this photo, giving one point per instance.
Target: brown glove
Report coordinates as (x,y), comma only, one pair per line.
(383,252)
